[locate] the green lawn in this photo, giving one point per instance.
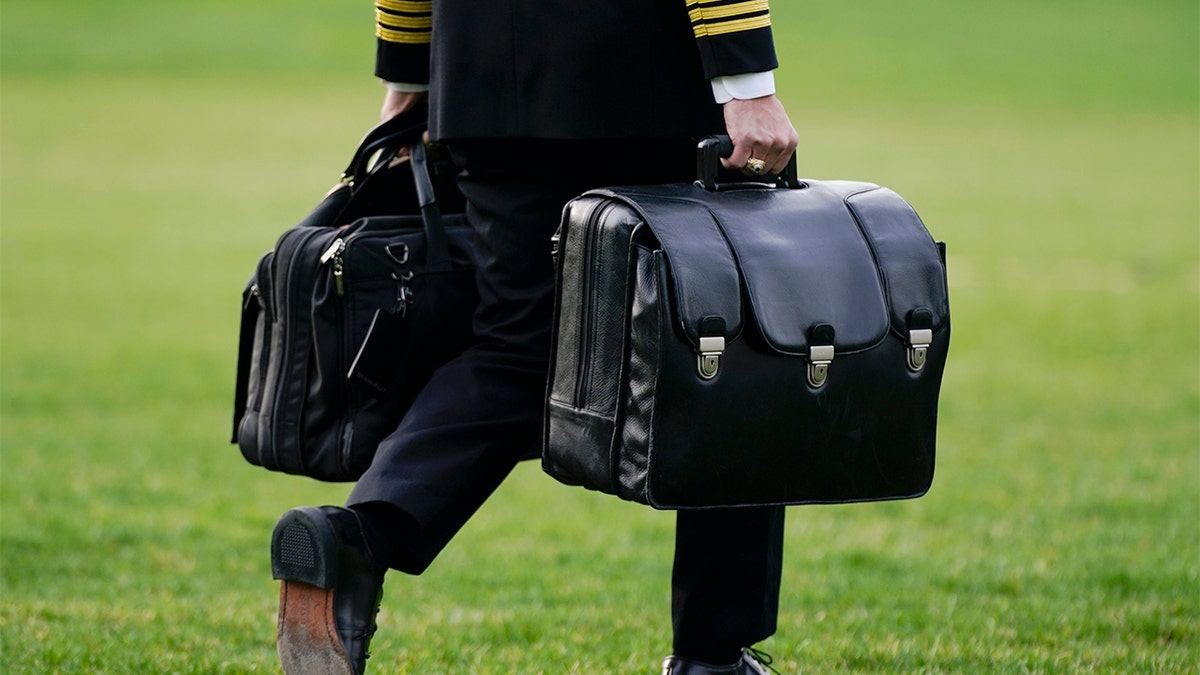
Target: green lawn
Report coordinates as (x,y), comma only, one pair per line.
(151,151)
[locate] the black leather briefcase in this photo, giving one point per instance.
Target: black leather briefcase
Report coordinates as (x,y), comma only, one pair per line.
(344,321)
(746,344)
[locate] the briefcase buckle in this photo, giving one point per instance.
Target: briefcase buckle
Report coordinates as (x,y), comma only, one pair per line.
(919,340)
(819,358)
(708,356)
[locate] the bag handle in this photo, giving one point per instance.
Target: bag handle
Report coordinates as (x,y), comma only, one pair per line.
(437,252)
(377,149)
(437,246)
(711,150)
(387,138)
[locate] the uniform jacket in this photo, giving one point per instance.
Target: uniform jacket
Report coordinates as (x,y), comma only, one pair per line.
(571,69)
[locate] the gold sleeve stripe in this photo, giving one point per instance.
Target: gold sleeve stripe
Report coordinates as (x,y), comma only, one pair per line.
(719,17)
(752,23)
(400,21)
(402,37)
(699,11)
(404,21)
(407,6)
(718,3)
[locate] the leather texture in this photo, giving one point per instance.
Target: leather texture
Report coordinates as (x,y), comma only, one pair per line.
(774,271)
(347,317)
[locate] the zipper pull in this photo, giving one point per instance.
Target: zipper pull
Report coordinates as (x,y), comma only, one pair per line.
(252,295)
(334,253)
(335,248)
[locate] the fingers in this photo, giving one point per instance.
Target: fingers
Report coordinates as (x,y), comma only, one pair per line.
(772,145)
(741,149)
(759,129)
(741,153)
(774,151)
(774,154)
(396,102)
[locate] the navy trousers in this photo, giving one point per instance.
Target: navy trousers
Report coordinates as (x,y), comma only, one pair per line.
(483,412)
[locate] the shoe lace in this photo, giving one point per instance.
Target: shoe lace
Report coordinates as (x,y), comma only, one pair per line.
(369,634)
(764,659)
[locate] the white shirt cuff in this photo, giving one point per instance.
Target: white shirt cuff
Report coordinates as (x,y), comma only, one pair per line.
(745,86)
(407,87)
(725,87)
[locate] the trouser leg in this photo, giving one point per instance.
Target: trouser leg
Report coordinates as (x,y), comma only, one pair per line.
(725,582)
(481,413)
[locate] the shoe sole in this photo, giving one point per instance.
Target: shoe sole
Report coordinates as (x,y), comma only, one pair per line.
(304,559)
(308,643)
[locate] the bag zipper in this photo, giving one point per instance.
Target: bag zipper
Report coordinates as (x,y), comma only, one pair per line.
(286,313)
(334,253)
(583,372)
(334,256)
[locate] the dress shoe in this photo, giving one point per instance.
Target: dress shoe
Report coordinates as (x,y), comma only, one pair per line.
(753,662)
(330,593)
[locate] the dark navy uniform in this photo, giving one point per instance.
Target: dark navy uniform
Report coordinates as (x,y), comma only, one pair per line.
(540,100)
(571,69)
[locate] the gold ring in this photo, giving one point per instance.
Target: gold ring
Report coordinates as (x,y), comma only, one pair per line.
(756,166)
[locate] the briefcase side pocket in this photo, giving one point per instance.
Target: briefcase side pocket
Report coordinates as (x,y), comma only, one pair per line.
(591,327)
(253,353)
(594,276)
(250,346)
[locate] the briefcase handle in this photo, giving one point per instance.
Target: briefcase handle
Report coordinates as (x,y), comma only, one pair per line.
(711,150)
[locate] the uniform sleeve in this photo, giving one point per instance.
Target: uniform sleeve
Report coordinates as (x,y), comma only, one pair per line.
(402,31)
(734,36)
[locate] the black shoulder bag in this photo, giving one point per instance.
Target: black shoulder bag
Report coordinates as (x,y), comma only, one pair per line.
(344,321)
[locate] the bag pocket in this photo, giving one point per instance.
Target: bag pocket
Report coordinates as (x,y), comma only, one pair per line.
(253,345)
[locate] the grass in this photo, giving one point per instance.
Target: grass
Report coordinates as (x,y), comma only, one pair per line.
(150,153)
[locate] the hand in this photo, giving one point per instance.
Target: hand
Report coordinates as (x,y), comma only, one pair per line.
(759,128)
(396,102)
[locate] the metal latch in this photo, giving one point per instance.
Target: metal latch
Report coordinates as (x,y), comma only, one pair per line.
(708,356)
(919,340)
(819,358)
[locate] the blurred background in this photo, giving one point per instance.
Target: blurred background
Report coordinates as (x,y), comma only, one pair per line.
(151,151)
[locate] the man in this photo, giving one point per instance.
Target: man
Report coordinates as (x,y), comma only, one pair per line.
(539,101)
